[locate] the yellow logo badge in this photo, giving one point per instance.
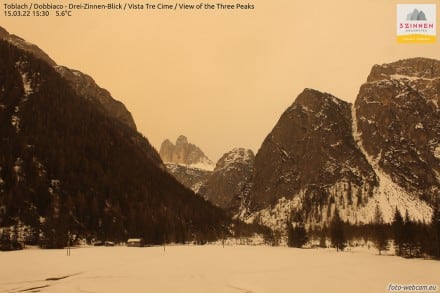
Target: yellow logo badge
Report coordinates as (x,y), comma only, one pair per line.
(416,23)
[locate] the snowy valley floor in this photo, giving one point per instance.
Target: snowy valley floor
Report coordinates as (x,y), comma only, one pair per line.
(210,268)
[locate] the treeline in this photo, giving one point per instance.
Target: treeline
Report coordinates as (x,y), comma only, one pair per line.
(409,238)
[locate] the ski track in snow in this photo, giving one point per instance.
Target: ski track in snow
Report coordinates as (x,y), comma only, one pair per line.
(209,268)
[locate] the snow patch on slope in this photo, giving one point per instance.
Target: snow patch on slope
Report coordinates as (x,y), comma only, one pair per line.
(196,187)
(275,217)
(15,121)
(437,152)
(26,84)
(27,89)
(389,195)
(25,79)
(205,165)
(18,170)
(1,179)
(400,76)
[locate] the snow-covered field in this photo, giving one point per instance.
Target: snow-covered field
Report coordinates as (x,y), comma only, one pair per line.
(209,269)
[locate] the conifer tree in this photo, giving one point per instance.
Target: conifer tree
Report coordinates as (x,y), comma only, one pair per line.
(323,236)
(296,233)
(5,239)
(337,234)
(290,234)
(398,232)
(435,228)
(300,235)
(411,245)
(380,237)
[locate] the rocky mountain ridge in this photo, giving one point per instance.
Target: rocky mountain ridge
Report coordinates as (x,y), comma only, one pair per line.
(323,154)
(222,185)
(227,183)
(398,118)
(326,154)
(184,153)
(82,83)
(382,151)
(67,166)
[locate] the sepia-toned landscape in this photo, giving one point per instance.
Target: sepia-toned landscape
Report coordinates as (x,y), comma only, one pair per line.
(323,194)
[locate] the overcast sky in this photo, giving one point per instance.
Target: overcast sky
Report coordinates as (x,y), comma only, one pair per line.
(223,78)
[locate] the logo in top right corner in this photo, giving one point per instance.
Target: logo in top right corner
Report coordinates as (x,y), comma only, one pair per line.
(416,23)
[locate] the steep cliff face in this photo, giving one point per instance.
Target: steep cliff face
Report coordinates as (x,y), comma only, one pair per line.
(167,151)
(311,156)
(398,122)
(184,153)
(325,154)
(187,163)
(83,84)
(226,185)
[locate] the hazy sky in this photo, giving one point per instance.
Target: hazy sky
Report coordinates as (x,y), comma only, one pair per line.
(223,78)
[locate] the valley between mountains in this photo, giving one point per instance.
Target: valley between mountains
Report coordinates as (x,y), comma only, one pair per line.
(73,165)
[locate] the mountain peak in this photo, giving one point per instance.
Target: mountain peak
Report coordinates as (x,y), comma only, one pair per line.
(182,140)
(3,32)
(397,115)
(167,142)
(85,86)
(412,68)
(81,83)
(235,156)
(313,100)
(310,146)
(231,176)
(184,153)
(26,46)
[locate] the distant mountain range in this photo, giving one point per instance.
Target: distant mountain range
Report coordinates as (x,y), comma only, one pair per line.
(185,153)
(72,161)
(382,151)
(222,183)
(326,154)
